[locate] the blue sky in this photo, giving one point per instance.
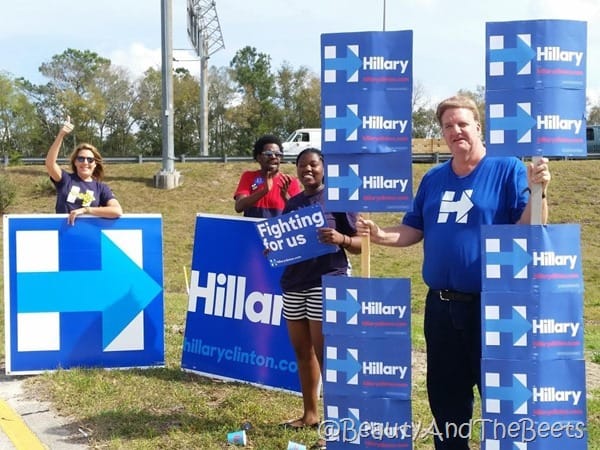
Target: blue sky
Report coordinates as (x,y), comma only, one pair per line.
(449,37)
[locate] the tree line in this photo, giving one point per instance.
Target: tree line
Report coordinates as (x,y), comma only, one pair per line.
(122,116)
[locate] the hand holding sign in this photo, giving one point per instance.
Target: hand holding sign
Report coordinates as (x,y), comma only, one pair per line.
(294,237)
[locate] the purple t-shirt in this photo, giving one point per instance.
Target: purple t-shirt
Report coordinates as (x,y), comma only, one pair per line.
(73,193)
(307,274)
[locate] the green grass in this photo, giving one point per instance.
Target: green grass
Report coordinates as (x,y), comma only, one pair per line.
(166,408)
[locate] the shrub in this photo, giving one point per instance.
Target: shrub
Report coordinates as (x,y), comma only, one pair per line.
(43,187)
(8,192)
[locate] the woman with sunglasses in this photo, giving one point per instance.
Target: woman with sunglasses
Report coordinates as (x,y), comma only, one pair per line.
(262,193)
(82,190)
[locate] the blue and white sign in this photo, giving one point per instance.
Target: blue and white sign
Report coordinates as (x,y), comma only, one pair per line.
(535,122)
(234,329)
(541,404)
(373,307)
(361,423)
(367,60)
(366,121)
(293,237)
(536,54)
(367,366)
(529,258)
(532,325)
(365,183)
(88,295)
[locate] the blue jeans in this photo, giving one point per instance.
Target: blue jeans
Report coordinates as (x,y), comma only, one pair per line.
(453,338)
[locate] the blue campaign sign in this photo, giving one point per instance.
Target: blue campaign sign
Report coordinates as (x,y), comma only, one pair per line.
(367,422)
(540,403)
(88,295)
(367,366)
(367,60)
(532,325)
(536,54)
(536,122)
(291,238)
(366,121)
(360,183)
(233,288)
(528,258)
(374,307)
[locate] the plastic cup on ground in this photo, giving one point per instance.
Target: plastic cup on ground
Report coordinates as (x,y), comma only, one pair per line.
(295,446)
(237,437)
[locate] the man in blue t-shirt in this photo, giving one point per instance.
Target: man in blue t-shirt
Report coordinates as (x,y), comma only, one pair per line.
(452,202)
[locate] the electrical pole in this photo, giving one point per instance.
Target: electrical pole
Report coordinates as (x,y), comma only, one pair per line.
(168,177)
(205,35)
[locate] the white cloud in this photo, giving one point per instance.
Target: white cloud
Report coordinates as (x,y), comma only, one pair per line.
(136,58)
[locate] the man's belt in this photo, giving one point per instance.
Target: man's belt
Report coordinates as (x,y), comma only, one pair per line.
(455,296)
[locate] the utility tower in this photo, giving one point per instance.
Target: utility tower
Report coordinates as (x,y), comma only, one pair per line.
(205,35)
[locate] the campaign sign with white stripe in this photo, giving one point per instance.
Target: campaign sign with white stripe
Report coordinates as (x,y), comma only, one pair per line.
(88,295)
(536,54)
(373,307)
(534,404)
(530,258)
(367,366)
(293,237)
(367,422)
(366,121)
(367,60)
(366,183)
(536,122)
(532,325)
(234,329)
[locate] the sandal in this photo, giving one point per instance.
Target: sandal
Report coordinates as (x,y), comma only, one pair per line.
(298,424)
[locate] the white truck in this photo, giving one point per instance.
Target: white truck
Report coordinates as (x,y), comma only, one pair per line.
(593,138)
(299,140)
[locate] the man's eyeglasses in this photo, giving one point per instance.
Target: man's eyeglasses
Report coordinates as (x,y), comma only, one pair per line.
(88,159)
(269,153)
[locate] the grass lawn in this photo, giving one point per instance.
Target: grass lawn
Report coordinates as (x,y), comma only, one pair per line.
(166,408)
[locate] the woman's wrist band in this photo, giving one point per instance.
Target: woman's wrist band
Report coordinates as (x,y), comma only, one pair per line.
(344,245)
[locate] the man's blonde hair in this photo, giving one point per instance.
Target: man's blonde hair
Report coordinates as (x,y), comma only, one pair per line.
(457,101)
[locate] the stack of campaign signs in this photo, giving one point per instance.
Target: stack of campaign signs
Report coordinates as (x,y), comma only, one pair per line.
(366,92)
(533,371)
(367,359)
(535,88)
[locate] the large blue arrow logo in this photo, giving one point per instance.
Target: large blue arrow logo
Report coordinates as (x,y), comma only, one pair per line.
(521,54)
(517,325)
(352,181)
(522,122)
(517,393)
(350,63)
(120,290)
(350,366)
(348,305)
(350,122)
(518,258)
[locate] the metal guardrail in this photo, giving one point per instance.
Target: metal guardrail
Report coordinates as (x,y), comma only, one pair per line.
(428,158)
(416,157)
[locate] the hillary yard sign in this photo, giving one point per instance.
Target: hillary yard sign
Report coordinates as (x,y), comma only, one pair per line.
(234,328)
(88,295)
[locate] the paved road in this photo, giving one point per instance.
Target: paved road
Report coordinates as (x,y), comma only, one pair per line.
(28,424)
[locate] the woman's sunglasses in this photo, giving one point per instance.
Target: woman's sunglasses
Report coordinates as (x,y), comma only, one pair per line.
(88,159)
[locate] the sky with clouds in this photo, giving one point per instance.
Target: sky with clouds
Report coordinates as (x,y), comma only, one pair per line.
(448,37)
